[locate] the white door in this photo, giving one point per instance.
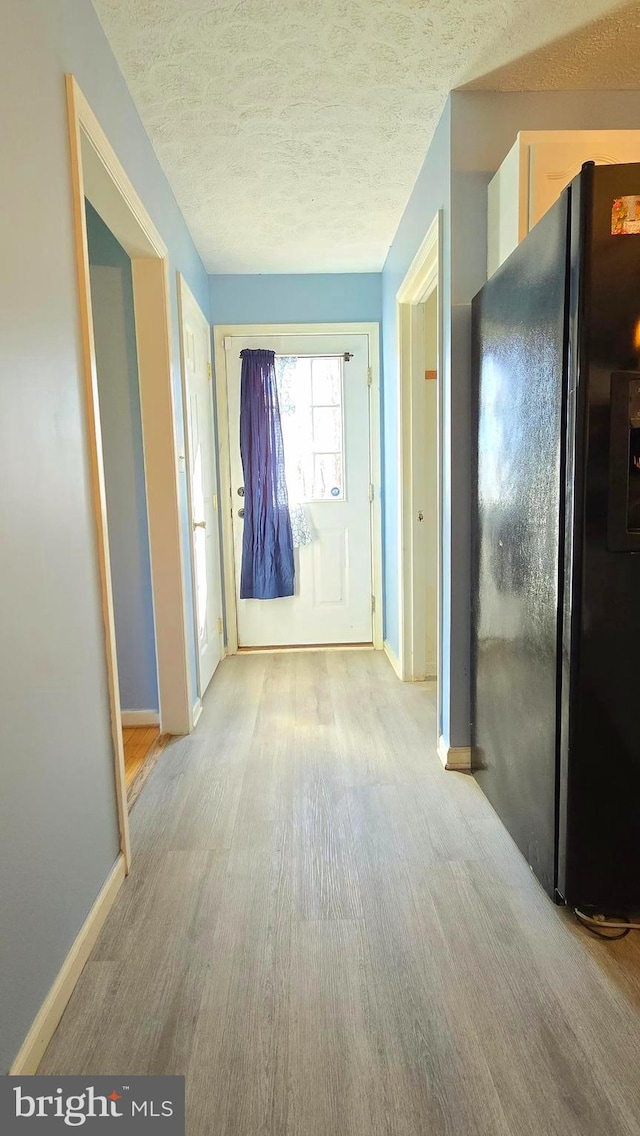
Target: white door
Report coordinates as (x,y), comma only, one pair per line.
(203,486)
(325,420)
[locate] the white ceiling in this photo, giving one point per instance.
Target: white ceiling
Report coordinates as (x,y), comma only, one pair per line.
(292,131)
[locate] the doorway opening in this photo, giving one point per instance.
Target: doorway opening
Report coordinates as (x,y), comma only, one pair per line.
(327,380)
(419,319)
(114,334)
(98,177)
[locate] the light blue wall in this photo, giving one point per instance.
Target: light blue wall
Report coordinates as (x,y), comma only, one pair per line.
(58,823)
(314,298)
(431,193)
(121,422)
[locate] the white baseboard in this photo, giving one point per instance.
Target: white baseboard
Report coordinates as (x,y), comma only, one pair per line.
(454,757)
(46,1020)
(393,659)
(140,717)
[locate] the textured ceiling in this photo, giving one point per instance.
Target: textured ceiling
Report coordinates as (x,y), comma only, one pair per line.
(292,131)
(603,55)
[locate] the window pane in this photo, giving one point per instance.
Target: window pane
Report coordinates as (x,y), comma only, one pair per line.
(312,433)
(327,477)
(326,382)
(294,395)
(293,377)
(327,428)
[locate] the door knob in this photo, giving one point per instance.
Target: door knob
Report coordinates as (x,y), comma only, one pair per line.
(199,524)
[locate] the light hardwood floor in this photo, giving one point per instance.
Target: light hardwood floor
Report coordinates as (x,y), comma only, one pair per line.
(331,936)
(137,741)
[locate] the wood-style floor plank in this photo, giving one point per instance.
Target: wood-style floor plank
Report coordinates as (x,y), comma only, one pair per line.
(137,742)
(326,933)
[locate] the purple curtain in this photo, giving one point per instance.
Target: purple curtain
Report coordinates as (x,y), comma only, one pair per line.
(267,543)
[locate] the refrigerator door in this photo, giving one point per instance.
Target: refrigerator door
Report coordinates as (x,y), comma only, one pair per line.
(519,346)
(600,737)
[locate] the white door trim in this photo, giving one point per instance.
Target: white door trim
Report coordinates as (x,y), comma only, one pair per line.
(243,331)
(184,290)
(424,275)
(97,174)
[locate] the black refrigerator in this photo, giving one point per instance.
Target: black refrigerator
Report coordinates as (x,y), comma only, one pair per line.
(555,637)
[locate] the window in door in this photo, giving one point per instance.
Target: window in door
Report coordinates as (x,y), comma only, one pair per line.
(310,391)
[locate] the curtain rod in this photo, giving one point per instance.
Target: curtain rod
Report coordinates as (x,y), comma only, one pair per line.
(344,355)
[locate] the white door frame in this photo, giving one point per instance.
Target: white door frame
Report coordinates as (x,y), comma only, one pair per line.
(184,291)
(97,174)
(423,276)
(221,332)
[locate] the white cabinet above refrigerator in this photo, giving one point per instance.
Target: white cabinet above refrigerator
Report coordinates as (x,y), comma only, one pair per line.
(535,171)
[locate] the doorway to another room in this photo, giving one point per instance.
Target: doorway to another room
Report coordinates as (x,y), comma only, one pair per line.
(114,333)
(327,385)
(97,177)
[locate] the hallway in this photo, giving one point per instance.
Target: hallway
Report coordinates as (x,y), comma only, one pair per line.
(328,934)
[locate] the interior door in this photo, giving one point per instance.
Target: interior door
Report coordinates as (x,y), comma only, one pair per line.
(324,402)
(203,486)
